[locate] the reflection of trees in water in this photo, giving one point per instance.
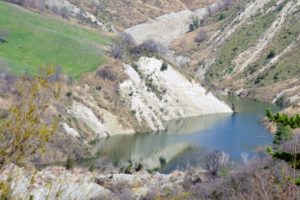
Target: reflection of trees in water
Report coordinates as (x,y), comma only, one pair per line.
(133,147)
(195,124)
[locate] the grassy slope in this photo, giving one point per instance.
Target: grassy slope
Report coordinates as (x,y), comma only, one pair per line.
(37,40)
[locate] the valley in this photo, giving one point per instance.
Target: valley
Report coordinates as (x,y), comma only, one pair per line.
(149,99)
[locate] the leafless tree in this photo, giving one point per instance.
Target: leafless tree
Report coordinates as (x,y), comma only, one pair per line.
(227,2)
(107,73)
(126,38)
(117,51)
(153,46)
(216,161)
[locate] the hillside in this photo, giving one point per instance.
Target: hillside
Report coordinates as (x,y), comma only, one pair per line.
(249,49)
(111,15)
(31,40)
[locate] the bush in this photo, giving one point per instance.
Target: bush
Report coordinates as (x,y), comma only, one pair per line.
(271,54)
(201,36)
(70,163)
(283,134)
(222,16)
(126,38)
(164,66)
(195,23)
(153,47)
(117,51)
(69,94)
(162,161)
(107,73)
(216,162)
(27,128)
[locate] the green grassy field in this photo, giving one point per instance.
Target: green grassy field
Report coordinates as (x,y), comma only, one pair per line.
(37,40)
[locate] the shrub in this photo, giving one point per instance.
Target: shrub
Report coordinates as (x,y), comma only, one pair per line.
(126,38)
(216,162)
(27,128)
(222,16)
(271,54)
(201,36)
(69,94)
(153,47)
(162,161)
(283,134)
(195,23)
(70,163)
(117,51)
(107,73)
(164,66)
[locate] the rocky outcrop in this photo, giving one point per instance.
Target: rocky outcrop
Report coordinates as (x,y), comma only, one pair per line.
(158,95)
(57,183)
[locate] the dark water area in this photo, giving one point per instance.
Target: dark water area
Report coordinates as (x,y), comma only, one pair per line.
(241,132)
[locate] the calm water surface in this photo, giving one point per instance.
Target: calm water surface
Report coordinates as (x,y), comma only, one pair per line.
(234,134)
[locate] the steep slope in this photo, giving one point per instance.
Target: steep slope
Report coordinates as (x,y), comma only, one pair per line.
(112,14)
(30,40)
(251,50)
(143,101)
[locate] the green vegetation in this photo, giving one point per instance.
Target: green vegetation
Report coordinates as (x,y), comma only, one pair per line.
(33,40)
(283,134)
(70,163)
(284,119)
(222,16)
(194,24)
(288,65)
(164,66)
(243,38)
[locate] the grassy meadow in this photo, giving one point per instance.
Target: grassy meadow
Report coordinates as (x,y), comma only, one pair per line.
(34,40)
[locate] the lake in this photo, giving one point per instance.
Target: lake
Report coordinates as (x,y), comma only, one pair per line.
(187,141)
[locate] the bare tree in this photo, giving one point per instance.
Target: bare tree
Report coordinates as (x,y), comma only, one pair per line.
(107,73)
(126,38)
(117,51)
(227,2)
(216,161)
(153,46)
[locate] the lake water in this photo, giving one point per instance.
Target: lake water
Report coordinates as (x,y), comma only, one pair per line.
(242,132)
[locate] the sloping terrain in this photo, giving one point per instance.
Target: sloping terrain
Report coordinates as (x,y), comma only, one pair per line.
(251,49)
(112,14)
(30,40)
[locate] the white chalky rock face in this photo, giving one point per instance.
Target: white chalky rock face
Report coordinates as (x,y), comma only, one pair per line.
(86,115)
(168,27)
(69,130)
(157,96)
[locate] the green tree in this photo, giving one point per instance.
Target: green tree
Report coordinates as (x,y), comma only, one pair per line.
(283,133)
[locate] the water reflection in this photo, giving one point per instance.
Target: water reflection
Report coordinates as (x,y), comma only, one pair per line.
(234,134)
